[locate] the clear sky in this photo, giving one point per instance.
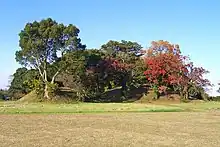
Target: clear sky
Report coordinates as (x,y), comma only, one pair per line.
(193,24)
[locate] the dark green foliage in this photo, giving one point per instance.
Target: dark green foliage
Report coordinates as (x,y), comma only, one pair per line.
(3,94)
(91,73)
(127,53)
(214,98)
(43,45)
(84,74)
(112,47)
(137,78)
(23,82)
(196,92)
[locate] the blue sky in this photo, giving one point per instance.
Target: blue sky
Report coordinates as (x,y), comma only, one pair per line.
(193,24)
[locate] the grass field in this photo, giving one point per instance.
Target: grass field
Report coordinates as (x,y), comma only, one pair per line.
(14,107)
(169,129)
(90,124)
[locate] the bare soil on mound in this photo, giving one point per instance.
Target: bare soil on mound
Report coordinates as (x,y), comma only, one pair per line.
(118,129)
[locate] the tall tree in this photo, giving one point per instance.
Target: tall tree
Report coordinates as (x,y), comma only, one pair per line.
(126,54)
(193,82)
(44,43)
(167,67)
(164,64)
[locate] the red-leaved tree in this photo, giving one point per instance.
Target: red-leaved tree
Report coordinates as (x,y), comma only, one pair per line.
(193,78)
(167,67)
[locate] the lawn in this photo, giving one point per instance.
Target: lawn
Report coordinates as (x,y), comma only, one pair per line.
(92,124)
(171,129)
(14,107)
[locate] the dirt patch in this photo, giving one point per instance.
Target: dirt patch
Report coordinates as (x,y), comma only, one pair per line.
(127,129)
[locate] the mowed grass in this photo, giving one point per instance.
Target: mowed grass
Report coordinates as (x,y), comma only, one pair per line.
(91,124)
(15,107)
(173,129)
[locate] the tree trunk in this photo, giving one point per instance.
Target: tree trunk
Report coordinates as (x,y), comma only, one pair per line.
(186,93)
(46,92)
(124,87)
(157,95)
(181,94)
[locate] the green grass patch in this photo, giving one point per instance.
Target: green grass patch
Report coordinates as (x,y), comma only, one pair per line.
(14,107)
(200,106)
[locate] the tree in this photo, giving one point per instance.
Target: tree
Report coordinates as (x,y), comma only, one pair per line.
(91,72)
(84,74)
(3,94)
(137,78)
(168,68)
(193,82)
(113,47)
(164,64)
(22,82)
(126,54)
(43,44)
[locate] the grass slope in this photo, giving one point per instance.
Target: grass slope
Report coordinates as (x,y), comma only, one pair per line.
(29,98)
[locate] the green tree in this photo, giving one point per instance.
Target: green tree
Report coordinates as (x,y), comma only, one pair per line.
(113,47)
(84,75)
(43,44)
(137,78)
(128,54)
(3,94)
(16,86)
(22,81)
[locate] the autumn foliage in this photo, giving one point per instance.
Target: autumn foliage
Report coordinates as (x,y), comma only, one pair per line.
(168,68)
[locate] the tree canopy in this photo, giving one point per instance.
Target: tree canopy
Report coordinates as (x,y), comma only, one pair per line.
(44,43)
(53,59)
(168,68)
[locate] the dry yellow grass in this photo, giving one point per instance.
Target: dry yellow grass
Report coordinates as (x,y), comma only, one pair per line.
(111,129)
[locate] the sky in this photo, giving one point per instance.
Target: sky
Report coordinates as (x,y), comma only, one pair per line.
(193,24)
